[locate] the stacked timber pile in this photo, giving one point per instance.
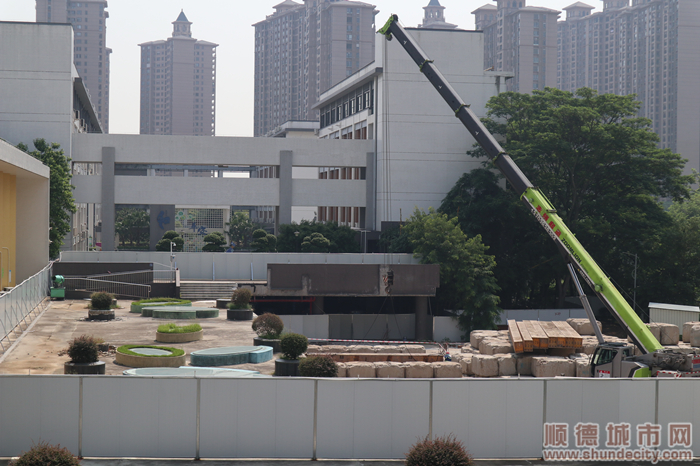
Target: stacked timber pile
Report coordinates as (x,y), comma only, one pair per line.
(530,335)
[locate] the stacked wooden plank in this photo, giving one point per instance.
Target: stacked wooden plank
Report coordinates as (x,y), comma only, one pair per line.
(530,335)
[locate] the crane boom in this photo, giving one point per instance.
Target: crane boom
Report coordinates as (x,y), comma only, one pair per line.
(532,197)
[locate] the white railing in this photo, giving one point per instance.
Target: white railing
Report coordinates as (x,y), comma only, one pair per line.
(18,304)
(123,289)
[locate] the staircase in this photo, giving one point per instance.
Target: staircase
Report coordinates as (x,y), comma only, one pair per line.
(206,290)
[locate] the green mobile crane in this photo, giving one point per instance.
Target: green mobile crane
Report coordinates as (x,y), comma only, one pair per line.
(610,359)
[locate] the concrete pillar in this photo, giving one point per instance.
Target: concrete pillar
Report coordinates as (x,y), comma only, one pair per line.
(371,196)
(285,202)
(108,207)
(424,321)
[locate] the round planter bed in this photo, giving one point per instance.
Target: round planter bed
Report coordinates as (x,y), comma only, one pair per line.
(150,356)
(179,312)
(274,344)
(179,337)
(84,368)
(101,314)
(231,356)
(286,367)
(137,306)
(239,314)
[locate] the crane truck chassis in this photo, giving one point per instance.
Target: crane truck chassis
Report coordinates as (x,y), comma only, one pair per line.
(609,359)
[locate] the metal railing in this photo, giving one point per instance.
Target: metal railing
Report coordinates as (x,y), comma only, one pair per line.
(143,277)
(117,288)
(18,305)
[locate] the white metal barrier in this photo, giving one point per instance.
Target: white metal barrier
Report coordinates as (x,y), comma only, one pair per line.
(152,417)
(17,305)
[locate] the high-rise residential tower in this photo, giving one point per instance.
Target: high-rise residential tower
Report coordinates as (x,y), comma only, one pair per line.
(178,84)
(90,54)
(521,39)
(301,50)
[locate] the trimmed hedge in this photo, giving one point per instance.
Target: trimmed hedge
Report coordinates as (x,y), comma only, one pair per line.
(137,306)
(174,328)
(83,349)
(293,345)
(322,365)
(126,349)
(101,301)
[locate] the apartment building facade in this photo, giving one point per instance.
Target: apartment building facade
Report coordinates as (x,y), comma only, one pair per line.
(178,84)
(301,50)
(90,51)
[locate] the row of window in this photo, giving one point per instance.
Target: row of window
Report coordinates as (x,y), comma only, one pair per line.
(353,102)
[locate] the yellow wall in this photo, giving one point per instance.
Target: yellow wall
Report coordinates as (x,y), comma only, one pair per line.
(8,228)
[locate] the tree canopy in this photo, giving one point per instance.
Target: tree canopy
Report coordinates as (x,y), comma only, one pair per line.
(264,241)
(240,229)
(466,271)
(171,236)
(342,239)
(133,225)
(601,168)
(215,242)
(61,201)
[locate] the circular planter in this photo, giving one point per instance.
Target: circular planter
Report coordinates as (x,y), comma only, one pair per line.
(286,367)
(84,368)
(150,358)
(274,344)
(136,307)
(230,356)
(239,314)
(179,337)
(100,314)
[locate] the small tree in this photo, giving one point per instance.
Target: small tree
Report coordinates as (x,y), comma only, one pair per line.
(240,299)
(171,237)
(215,242)
(268,326)
(263,241)
(316,242)
(83,349)
(61,201)
(240,229)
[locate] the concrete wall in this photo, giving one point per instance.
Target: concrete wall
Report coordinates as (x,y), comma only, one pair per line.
(27,214)
(36,85)
(353,326)
(231,266)
(365,418)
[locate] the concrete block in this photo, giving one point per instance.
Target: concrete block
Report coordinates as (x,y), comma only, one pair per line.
(360,349)
(466,363)
(342,369)
(385,349)
(670,333)
(507,364)
(686,330)
(495,346)
(412,349)
(390,370)
(553,366)
(655,330)
(695,336)
(418,370)
(485,365)
(583,326)
(362,370)
(477,335)
(447,370)
(523,364)
(456,357)
(334,348)
(468,348)
(314,349)
(583,368)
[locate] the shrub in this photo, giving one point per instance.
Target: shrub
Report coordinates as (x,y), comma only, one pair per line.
(174,328)
(43,454)
(293,345)
(83,349)
(441,450)
(101,300)
(318,366)
(241,298)
(268,326)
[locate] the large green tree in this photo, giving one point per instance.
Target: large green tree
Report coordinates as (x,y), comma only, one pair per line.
(61,201)
(466,270)
(600,166)
(240,229)
(133,226)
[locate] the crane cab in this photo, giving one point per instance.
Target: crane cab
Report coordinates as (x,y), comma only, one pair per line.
(612,360)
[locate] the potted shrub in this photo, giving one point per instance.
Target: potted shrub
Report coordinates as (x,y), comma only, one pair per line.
(268,327)
(322,365)
(293,345)
(101,306)
(83,353)
(441,450)
(239,308)
(43,454)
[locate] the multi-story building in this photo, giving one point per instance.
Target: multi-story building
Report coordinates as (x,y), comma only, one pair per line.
(178,84)
(90,51)
(521,39)
(301,50)
(647,48)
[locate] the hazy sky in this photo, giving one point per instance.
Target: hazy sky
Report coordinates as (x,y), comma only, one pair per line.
(229,24)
